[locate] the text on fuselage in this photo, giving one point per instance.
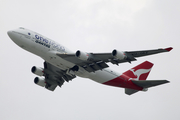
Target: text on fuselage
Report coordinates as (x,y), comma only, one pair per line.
(48,43)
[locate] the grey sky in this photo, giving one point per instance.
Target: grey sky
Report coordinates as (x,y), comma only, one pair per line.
(91,26)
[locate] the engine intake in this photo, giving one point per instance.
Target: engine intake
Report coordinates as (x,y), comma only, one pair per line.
(82,55)
(37,70)
(40,81)
(118,54)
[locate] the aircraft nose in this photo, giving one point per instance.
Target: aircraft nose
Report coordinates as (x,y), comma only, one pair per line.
(13,35)
(9,33)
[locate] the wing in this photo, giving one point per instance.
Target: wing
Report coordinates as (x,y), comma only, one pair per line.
(55,77)
(147,52)
(90,65)
(98,61)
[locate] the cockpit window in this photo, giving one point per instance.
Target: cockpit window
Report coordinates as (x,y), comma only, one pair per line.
(21,28)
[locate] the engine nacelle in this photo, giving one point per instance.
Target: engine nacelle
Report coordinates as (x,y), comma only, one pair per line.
(37,70)
(118,54)
(40,81)
(82,55)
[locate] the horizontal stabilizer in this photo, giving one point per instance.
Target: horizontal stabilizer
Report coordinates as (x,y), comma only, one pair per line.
(149,83)
(130,91)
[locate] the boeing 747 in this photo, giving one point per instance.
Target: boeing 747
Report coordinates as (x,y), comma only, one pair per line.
(61,64)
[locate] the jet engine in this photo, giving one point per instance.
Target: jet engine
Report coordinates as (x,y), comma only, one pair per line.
(37,70)
(118,54)
(40,81)
(82,55)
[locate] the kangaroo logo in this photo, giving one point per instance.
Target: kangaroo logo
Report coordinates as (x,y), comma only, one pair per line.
(138,73)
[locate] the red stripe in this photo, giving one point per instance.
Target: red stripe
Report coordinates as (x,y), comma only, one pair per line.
(124,82)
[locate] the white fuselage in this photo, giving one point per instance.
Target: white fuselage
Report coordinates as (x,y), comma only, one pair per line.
(47,49)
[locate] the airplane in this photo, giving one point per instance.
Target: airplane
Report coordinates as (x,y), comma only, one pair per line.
(61,64)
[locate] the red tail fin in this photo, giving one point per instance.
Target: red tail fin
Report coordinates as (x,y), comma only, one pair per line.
(140,72)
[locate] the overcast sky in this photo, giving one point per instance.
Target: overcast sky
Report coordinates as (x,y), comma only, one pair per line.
(91,26)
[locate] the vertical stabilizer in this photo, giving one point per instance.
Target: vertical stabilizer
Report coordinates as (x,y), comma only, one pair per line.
(140,72)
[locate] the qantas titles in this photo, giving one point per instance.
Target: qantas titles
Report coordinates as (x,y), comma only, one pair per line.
(48,43)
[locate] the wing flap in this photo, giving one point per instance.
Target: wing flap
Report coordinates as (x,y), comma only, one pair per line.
(51,87)
(90,66)
(95,66)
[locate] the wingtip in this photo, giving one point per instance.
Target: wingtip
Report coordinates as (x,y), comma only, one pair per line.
(168,49)
(167,81)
